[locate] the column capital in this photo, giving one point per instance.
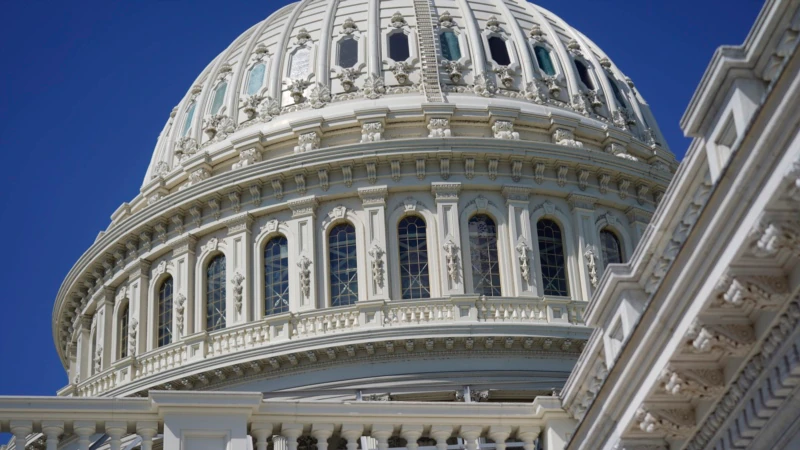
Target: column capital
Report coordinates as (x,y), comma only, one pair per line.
(585,202)
(447,192)
(139,268)
(147,429)
(638,215)
(516,193)
(238,224)
(305,206)
(21,428)
(183,244)
(86,322)
(375,195)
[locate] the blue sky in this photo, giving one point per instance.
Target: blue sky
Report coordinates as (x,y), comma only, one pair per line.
(86,86)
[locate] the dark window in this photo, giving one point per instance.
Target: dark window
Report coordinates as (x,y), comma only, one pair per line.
(544,60)
(398,47)
(583,73)
(483,251)
(276,276)
(551,256)
(124,319)
(348,53)
(215,294)
(344,265)
(499,51)
(412,235)
(612,250)
(617,93)
(165,312)
(449,43)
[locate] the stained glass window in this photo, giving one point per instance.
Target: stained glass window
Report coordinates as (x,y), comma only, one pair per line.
(544,60)
(499,51)
(344,266)
(348,52)
(414,280)
(124,319)
(215,294)
(398,47)
(165,312)
(450,48)
(256,79)
(612,250)
(483,252)
(583,73)
(187,123)
(301,64)
(551,256)
(276,276)
(219,97)
(617,93)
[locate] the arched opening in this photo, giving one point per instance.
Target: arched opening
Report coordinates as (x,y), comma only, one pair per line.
(164,311)
(610,247)
(215,294)
(412,234)
(343,261)
(276,276)
(551,257)
(484,255)
(124,321)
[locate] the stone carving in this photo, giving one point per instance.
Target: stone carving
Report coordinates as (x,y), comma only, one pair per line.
(469,168)
(493,25)
(401,69)
(371,131)
(777,236)
(347,77)
(553,85)
(444,168)
(591,264)
(583,179)
(504,129)
(734,339)
(307,142)
(305,275)
(692,383)
(132,333)
(98,359)
(218,126)
(398,21)
(303,37)
(420,166)
(492,166)
(673,422)
(347,174)
(619,151)
(538,172)
(506,76)
(579,104)
(641,193)
(536,33)
(374,87)
(451,256)
(484,86)
(238,288)
(300,181)
(438,127)
(446,20)
(535,92)
(523,250)
(516,170)
(623,118)
(562,175)
(566,137)
(247,158)
(650,137)
(372,172)
(593,384)
(161,170)
(594,98)
(377,264)
(757,291)
(211,246)
(349,27)
(197,176)
(453,70)
(319,95)
(322,174)
(574,47)
(180,309)
(185,147)
(395,166)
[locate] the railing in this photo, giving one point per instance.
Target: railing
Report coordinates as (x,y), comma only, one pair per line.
(281,328)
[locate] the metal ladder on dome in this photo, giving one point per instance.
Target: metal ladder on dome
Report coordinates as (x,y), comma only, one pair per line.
(427,51)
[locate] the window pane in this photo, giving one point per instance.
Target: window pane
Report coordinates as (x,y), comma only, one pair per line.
(219,97)
(544,60)
(398,47)
(497,47)
(165,312)
(483,251)
(276,276)
(551,256)
(449,43)
(617,93)
(348,53)
(215,294)
(344,266)
(256,79)
(124,319)
(612,250)
(412,236)
(188,122)
(583,73)
(301,64)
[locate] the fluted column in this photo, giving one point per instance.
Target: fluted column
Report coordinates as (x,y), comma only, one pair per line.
(470,434)
(451,263)
(279,442)
(115,432)
(373,200)
(441,433)
(52,429)
(21,429)
(411,433)
(352,432)
(239,255)
(261,431)
(85,429)
(291,431)
(147,430)
(322,432)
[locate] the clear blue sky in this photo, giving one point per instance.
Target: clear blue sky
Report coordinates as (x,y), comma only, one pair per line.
(86,86)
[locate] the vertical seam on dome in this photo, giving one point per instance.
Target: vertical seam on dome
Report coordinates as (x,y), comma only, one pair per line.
(324,48)
(559,47)
(276,69)
(374,42)
(525,53)
(475,41)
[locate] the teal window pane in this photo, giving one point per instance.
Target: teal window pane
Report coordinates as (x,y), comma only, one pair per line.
(256,79)
(544,60)
(188,122)
(219,97)
(449,43)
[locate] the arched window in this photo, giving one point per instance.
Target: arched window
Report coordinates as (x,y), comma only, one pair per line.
(583,73)
(412,234)
(551,256)
(483,251)
(276,276)
(187,123)
(256,78)
(348,53)
(499,51)
(617,93)
(219,97)
(398,47)
(124,319)
(544,60)
(215,294)
(612,250)
(165,313)
(300,66)
(344,265)
(450,48)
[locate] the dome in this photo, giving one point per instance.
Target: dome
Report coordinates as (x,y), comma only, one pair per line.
(405,197)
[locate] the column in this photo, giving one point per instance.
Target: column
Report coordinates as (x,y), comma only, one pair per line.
(261,431)
(115,432)
(139,304)
(521,241)
(451,263)
(84,348)
(240,253)
(183,261)
(147,430)
(373,200)
(587,253)
(639,220)
(322,432)
(557,433)
(303,291)
(21,429)
(106,340)
(52,429)
(352,432)
(84,429)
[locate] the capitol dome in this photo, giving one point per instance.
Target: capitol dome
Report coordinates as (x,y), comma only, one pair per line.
(409,200)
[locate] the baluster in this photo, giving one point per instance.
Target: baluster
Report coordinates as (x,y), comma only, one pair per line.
(352,433)
(499,436)
(147,430)
(21,429)
(291,431)
(52,429)
(470,434)
(84,429)
(441,433)
(382,433)
(261,431)
(528,436)
(411,433)
(322,432)
(115,431)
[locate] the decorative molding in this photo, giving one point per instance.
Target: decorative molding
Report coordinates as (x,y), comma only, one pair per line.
(504,129)
(303,207)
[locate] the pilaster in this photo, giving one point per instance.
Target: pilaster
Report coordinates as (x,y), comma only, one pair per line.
(583,216)
(84,357)
(240,254)
(521,240)
(451,262)
(106,339)
(184,260)
(303,295)
(138,298)
(373,200)
(639,219)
